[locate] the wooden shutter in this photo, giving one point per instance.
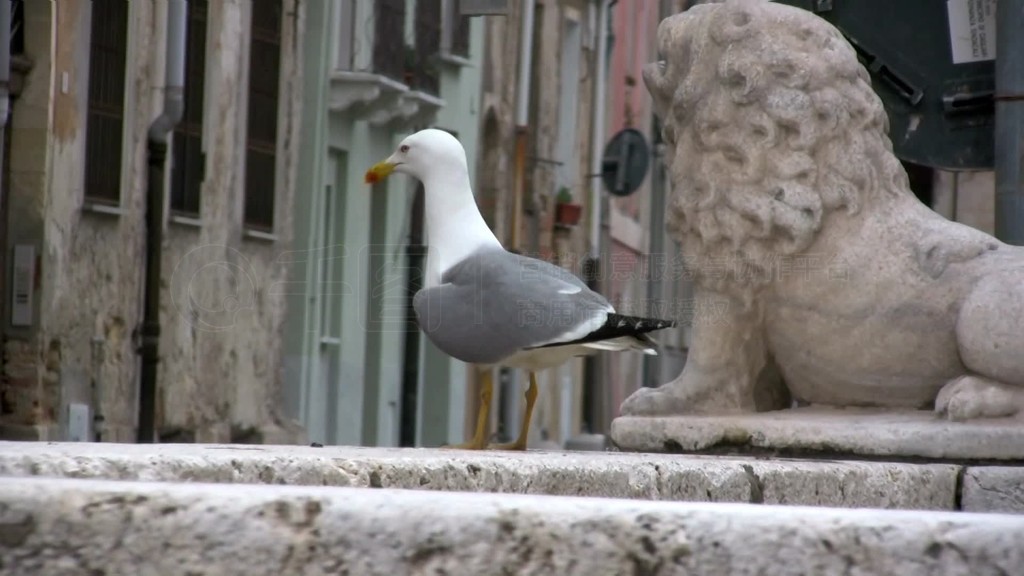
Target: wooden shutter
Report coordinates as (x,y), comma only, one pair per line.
(261,140)
(188,164)
(108,46)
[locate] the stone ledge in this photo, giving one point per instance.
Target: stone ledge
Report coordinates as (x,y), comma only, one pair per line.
(597,474)
(828,432)
(61,527)
(994,488)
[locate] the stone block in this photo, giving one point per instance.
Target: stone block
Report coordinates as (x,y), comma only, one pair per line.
(596,474)
(993,489)
(825,432)
(62,527)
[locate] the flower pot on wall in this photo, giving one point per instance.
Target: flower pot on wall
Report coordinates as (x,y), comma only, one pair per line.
(567,214)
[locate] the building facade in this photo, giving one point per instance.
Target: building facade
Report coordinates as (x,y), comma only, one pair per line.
(92,81)
(535,121)
(643,272)
(358,370)
(577,99)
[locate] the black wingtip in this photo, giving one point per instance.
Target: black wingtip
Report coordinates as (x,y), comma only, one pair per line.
(619,325)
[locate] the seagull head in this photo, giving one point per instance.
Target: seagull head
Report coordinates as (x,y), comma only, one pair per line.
(420,154)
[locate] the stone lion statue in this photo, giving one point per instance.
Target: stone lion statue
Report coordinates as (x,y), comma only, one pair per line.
(819,277)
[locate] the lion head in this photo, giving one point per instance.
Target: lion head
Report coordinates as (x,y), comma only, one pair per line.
(771,125)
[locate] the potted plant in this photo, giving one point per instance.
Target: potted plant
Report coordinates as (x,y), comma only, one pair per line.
(567,213)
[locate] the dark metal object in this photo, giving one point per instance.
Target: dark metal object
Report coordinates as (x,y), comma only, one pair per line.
(1009,113)
(159,130)
(150,348)
(941,113)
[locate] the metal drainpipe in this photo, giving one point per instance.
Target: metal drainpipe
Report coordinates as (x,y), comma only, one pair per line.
(159,130)
(5,84)
(657,264)
(594,386)
(597,136)
(522,119)
(1009,129)
(656,255)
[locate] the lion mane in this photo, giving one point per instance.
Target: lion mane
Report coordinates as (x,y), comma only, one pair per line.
(776,129)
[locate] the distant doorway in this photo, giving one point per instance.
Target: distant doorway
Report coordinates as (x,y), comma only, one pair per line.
(416,256)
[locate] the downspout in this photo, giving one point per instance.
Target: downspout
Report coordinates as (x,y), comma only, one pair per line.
(1009,129)
(597,136)
(522,119)
(656,267)
(5,86)
(159,131)
(593,383)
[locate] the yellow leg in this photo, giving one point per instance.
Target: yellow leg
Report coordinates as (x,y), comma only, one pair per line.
(479,440)
(524,432)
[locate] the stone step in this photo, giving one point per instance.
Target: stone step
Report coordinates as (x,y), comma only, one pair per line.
(851,484)
(59,526)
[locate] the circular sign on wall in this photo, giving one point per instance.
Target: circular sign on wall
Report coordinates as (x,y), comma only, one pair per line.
(625,161)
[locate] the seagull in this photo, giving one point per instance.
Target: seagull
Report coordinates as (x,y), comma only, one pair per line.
(486,306)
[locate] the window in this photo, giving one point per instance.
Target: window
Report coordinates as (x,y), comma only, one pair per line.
(390,53)
(188,162)
(428,46)
(346,34)
(455,40)
(108,45)
(261,139)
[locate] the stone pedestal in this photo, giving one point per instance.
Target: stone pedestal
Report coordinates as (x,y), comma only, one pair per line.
(828,433)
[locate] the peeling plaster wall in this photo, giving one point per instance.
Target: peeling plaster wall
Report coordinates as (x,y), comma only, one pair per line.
(91,262)
(21,398)
(221,313)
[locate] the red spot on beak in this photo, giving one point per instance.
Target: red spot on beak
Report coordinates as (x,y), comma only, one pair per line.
(371,177)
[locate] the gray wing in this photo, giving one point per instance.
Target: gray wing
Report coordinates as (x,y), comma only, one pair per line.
(495,303)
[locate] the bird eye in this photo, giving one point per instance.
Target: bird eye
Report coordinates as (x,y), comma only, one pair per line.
(404,148)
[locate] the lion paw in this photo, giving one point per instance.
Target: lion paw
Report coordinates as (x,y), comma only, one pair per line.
(969,397)
(661,401)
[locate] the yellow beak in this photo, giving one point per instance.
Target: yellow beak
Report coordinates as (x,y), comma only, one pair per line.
(379,171)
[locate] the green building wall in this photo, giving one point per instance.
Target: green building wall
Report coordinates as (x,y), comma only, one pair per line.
(366,231)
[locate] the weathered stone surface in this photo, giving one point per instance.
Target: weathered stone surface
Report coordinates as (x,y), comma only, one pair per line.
(993,489)
(61,527)
(834,432)
(818,275)
(221,326)
(604,474)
